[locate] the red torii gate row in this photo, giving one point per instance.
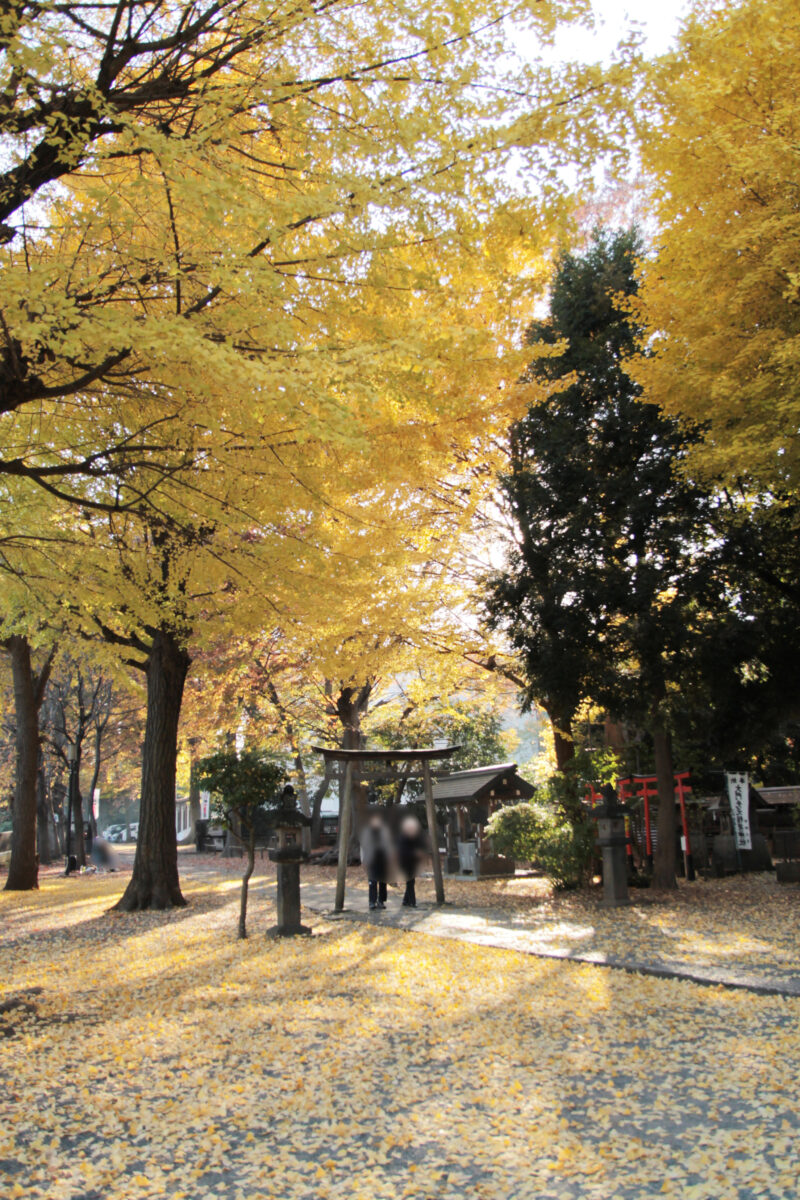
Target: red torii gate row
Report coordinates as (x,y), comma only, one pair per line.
(647,786)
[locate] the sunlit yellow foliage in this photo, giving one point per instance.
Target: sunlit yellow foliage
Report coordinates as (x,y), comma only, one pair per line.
(722,296)
(288,326)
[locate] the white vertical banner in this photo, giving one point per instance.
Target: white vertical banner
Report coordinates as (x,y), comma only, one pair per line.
(739,797)
(205,806)
(96,804)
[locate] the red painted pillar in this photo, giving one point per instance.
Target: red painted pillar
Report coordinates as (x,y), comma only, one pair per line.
(646,791)
(624,792)
(683,790)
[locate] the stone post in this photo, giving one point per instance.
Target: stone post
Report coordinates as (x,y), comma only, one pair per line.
(288,855)
(612,841)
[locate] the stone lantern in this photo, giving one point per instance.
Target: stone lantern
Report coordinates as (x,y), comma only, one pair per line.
(612,840)
(287,854)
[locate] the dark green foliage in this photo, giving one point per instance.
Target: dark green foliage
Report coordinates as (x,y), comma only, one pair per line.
(611,558)
(244,787)
(755,717)
(565,790)
(566,856)
(245,791)
(668,601)
(517,830)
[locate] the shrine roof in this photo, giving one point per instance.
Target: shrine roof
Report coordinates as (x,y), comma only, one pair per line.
(497,780)
(775,796)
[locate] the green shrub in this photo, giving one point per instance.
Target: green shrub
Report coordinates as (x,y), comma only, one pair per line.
(565,854)
(532,832)
(519,829)
(244,785)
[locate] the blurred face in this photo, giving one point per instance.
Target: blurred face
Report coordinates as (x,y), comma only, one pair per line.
(410,826)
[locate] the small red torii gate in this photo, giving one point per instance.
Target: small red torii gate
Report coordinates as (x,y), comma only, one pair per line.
(646,790)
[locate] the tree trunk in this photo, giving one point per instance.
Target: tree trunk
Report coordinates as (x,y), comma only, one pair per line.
(98,741)
(23,871)
(251,862)
(316,805)
(400,786)
(78,839)
(48,841)
(562,737)
(354,740)
(44,843)
(58,808)
(664,858)
(351,705)
(233,838)
(194,793)
(302,790)
(564,746)
(154,882)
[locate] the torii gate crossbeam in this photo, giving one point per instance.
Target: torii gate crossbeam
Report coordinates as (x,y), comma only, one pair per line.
(351,758)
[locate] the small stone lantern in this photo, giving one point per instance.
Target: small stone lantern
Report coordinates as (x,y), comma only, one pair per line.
(288,854)
(612,840)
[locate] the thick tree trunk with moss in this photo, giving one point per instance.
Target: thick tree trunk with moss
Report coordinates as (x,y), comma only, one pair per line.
(664,858)
(154,882)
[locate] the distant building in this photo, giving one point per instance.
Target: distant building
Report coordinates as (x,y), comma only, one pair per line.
(183,819)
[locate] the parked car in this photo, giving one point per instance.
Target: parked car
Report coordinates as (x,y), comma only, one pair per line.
(115,833)
(133,831)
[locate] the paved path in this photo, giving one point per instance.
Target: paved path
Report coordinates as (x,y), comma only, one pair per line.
(506,931)
(767,969)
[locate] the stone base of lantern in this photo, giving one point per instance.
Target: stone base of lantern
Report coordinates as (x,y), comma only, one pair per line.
(615,877)
(288,902)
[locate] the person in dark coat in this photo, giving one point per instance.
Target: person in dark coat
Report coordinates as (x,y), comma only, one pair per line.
(103,855)
(376,855)
(410,851)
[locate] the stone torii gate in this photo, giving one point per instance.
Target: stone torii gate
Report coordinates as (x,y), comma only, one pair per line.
(351,759)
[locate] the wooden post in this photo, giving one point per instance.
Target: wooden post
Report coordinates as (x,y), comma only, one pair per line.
(345,809)
(430,809)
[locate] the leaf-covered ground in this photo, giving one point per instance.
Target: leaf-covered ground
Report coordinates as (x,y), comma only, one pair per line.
(164,1059)
(741,926)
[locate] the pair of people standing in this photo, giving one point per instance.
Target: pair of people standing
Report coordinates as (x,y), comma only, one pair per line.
(379,854)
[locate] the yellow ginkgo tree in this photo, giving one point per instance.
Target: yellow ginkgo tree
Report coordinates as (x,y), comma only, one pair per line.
(279,163)
(276,288)
(721,295)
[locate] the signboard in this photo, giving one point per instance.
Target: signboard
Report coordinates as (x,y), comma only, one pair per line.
(739,797)
(205,806)
(96,804)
